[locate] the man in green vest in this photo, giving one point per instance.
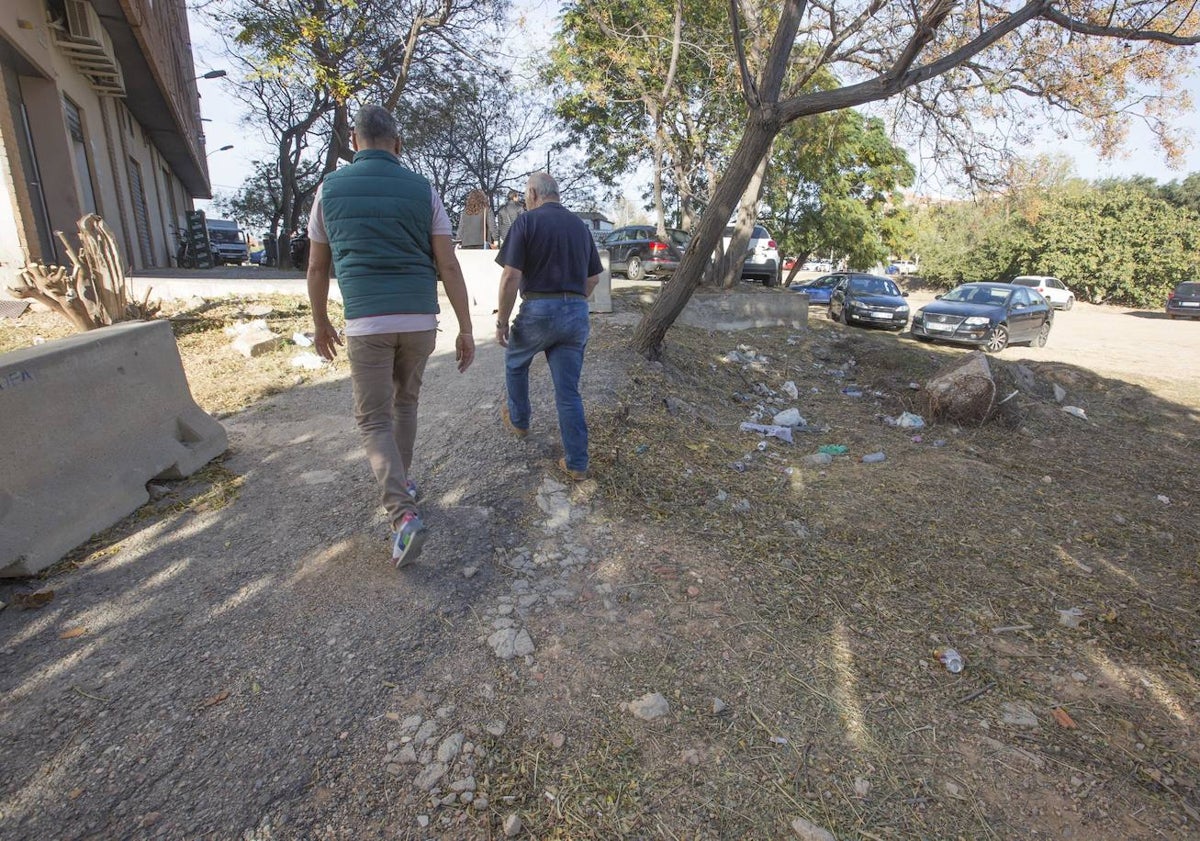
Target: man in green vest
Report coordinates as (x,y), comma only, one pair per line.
(386,235)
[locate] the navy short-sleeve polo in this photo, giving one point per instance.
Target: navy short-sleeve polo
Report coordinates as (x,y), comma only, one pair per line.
(552,248)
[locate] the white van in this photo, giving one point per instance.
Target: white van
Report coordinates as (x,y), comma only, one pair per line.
(228,241)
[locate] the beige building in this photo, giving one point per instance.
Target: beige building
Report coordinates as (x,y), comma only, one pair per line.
(99,112)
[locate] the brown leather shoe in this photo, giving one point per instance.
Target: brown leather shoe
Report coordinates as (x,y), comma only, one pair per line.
(577,475)
(508,424)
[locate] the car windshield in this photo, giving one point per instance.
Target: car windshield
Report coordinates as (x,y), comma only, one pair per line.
(988,295)
(874,286)
(1026,281)
(822,282)
(224,235)
(1188,289)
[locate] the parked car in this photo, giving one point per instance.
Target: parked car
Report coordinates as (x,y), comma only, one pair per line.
(1184,300)
(990,315)
(636,251)
(818,289)
(868,299)
(762,256)
(1050,288)
(257,257)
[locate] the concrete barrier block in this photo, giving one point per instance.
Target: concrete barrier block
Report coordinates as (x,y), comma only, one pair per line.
(482,275)
(85,423)
(746,310)
(601,299)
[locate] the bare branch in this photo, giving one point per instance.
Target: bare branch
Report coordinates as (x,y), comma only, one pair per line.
(749,91)
(1124,33)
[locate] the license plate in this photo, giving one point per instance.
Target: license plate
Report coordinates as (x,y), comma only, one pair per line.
(939,328)
(886,315)
(1190,303)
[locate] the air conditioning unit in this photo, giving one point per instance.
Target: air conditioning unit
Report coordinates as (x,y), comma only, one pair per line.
(83,24)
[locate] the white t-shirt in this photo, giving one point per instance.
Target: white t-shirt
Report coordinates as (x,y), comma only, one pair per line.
(373,325)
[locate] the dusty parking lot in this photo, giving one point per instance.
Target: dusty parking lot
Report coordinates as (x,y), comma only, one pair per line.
(1114,341)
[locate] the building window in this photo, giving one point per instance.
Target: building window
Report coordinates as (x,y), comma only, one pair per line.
(141,214)
(79,154)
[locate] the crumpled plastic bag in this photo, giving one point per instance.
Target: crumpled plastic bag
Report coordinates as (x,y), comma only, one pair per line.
(783,433)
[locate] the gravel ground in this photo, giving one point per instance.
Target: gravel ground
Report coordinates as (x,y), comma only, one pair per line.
(236,664)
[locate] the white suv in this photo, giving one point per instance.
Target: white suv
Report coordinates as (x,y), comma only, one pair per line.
(762,256)
(1052,289)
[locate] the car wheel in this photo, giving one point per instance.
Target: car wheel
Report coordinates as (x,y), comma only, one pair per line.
(772,279)
(633,269)
(1070,303)
(998,340)
(1043,336)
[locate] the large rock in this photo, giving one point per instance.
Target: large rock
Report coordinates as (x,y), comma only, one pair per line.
(87,421)
(963,391)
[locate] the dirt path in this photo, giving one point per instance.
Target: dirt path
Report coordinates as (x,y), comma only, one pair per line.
(249,669)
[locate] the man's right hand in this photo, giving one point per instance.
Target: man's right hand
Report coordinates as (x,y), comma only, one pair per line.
(325,339)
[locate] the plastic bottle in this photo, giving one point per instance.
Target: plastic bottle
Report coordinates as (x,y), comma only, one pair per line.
(951,659)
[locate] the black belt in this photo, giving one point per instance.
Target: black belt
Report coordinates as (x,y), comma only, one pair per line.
(545,296)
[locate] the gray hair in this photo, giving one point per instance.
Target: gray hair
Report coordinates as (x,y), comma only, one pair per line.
(374,124)
(542,184)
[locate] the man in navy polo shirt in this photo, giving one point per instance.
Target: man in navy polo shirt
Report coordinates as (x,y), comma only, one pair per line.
(549,256)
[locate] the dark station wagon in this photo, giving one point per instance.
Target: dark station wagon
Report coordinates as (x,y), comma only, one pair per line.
(1184,300)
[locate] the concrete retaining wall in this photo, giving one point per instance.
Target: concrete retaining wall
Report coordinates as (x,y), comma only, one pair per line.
(744,309)
(483,282)
(85,423)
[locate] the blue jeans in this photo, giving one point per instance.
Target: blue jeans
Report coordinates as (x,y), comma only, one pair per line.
(559,327)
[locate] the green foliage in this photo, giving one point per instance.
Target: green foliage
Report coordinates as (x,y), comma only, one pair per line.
(832,187)
(1114,241)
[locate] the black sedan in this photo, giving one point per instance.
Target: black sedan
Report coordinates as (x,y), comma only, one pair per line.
(868,299)
(1184,300)
(990,315)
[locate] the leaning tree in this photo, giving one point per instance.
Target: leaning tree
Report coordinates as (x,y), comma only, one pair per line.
(959,66)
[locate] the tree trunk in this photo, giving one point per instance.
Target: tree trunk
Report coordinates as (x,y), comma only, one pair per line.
(755,142)
(743,228)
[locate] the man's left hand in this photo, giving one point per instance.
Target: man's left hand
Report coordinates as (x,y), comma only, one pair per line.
(502,335)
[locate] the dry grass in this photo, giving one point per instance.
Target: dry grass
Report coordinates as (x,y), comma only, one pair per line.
(221,379)
(814,611)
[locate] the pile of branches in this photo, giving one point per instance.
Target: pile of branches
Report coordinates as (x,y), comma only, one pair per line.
(95,292)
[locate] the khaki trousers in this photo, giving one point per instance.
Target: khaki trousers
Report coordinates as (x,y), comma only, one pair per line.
(386,372)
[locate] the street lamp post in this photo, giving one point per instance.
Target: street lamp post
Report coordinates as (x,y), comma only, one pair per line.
(212,74)
(222,149)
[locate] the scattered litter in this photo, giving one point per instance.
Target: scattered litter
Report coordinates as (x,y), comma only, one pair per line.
(1047,480)
(1164,499)
(1070,618)
(308,361)
(951,659)
(246,327)
(39,340)
(789,417)
(941,442)
(739,467)
(874,458)
(260,310)
(915,386)
(833,449)
(851,391)
(1076,412)
(761,446)
(1010,397)
(302,339)
(906,420)
(13,309)
(641,449)
(789,388)
(742,506)
(817,460)
(1063,719)
(1060,393)
(1006,628)
(783,433)
(917,439)
(779,740)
